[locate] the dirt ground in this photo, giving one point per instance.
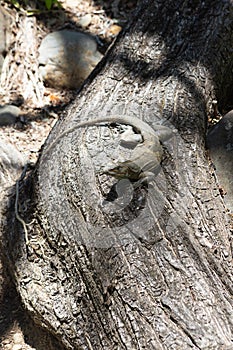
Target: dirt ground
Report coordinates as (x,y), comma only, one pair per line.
(41,107)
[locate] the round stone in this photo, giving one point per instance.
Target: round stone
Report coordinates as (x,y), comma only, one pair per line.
(66,58)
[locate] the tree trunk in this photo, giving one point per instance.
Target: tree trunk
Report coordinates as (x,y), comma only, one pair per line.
(151,267)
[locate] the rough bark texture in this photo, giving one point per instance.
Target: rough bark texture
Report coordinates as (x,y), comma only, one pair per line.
(156,272)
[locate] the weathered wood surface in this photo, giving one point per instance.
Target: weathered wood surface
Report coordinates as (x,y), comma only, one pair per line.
(156,272)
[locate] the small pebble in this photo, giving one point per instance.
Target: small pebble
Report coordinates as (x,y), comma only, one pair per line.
(85,21)
(17,347)
(18,338)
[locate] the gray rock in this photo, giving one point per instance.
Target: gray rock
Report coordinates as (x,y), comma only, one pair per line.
(11,164)
(220,143)
(221,134)
(8,114)
(66,58)
(10,157)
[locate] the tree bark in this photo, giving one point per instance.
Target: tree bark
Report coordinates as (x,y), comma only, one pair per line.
(156,271)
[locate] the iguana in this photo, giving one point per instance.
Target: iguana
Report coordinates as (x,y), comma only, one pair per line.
(146,157)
